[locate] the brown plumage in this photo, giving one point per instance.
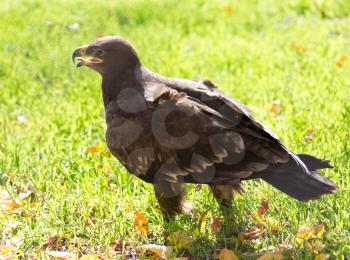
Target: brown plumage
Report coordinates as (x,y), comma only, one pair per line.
(170,131)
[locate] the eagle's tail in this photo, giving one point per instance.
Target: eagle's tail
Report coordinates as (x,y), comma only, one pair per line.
(298,178)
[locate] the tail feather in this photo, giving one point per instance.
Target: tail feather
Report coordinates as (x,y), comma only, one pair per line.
(298,177)
(313,163)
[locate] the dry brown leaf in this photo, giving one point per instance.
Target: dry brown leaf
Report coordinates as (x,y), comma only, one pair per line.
(309,134)
(216,225)
(253,233)
(341,61)
(160,251)
(180,239)
(198,187)
(264,206)
(272,256)
(51,242)
(226,254)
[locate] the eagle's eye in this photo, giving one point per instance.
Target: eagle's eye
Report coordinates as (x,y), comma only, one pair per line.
(98,52)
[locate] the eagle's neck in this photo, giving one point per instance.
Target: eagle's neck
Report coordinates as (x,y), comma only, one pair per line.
(114,82)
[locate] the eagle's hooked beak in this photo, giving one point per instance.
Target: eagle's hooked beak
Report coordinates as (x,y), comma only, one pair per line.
(84,58)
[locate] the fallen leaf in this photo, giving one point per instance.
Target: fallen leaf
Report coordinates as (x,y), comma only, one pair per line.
(298,48)
(101,34)
(180,239)
(202,222)
(229,9)
(59,255)
(271,222)
(7,204)
(15,224)
(309,134)
(306,233)
(51,242)
(264,206)
(8,251)
(29,192)
(141,222)
(322,256)
(316,247)
(198,187)
(161,251)
(253,233)
(216,225)
(226,254)
(272,256)
(22,119)
(94,149)
(319,230)
(74,27)
(89,257)
(341,61)
(275,107)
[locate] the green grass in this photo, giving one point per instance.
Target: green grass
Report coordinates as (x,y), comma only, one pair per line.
(88,199)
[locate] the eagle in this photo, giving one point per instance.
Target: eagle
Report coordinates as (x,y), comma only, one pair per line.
(173,131)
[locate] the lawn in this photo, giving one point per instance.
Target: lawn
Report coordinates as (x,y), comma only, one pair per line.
(289,61)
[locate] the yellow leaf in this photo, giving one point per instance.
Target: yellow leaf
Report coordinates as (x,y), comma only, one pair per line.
(229,9)
(161,251)
(341,61)
(322,256)
(319,230)
(307,233)
(273,223)
(298,48)
(202,222)
(89,257)
(180,239)
(275,107)
(272,256)
(226,254)
(8,251)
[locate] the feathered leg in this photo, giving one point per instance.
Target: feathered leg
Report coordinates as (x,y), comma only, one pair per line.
(224,196)
(171,198)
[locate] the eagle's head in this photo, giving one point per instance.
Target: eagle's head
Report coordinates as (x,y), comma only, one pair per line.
(109,54)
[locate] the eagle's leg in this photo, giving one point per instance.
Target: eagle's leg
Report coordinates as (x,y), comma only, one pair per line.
(171,198)
(224,196)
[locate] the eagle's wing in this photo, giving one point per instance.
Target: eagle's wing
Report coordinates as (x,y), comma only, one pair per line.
(214,139)
(210,145)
